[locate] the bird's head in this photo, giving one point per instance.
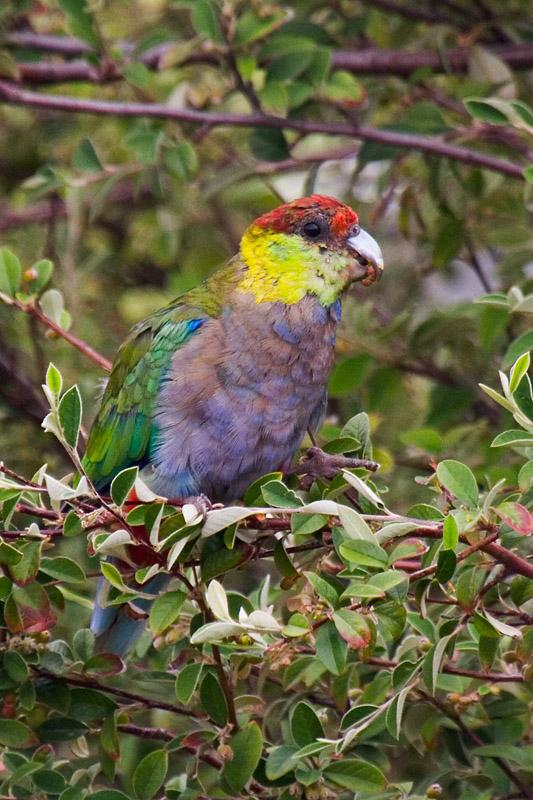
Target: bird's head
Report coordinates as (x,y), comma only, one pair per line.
(313,245)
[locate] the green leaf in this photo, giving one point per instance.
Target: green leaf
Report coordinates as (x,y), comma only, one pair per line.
(15,734)
(395,713)
(446,564)
(15,666)
(450,533)
(527,172)
(519,369)
(61,729)
(181,160)
(468,585)
(54,381)
(247,746)
(150,774)
(63,569)
(187,681)
(85,157)
(252,26)
(459,480)
(283,563)
(205,21)
(304,524)
(122,484)
(516,437)
(331,649)
(213,700)
(165,610)
(220,561)
(306,727)
(433,661)
(145,143)
(69,410)
(276,494)
(360,551)
(492,111)
(448,242)
(108,794)
(280,761)
(269,144)
(42,270)
(80,20)
(89,705)
(521,756)
(25,569)
(83,643)
(10,272)
(50,781)
(522,344)
(525,476)
(323,588)
(9,555)
(356,775)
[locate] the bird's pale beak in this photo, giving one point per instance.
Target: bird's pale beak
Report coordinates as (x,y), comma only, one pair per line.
(368,255)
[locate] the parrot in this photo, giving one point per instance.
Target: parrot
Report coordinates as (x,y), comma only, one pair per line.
(219,387)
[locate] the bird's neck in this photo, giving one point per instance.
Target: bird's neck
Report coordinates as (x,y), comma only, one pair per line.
(282,268)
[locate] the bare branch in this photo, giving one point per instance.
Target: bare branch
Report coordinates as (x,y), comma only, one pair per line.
(367,61)
(34,311)
(11,93)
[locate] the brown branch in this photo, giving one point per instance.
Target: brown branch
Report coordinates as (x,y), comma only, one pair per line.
(38,213)
(11,93)
(473,548)
(79,344)
(369,61)
(208,757)
(88,683)
(408,10)
(495,677)
(515,563)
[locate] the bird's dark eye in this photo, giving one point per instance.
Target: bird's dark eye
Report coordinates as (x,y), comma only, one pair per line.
(313,230)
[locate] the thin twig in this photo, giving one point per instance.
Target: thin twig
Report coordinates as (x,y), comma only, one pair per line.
(149,702)
(494,677)
(34,311)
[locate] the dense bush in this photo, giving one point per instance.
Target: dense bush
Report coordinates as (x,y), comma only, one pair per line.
(345,631)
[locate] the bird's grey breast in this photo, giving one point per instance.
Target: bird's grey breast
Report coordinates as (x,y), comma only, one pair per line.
(241,394)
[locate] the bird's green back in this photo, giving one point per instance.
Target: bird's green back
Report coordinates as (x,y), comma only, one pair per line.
(123,429)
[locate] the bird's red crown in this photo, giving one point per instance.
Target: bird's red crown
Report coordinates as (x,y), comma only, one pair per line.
(286,218)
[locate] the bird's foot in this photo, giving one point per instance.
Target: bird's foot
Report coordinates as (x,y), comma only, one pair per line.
(201,503)
(318,464)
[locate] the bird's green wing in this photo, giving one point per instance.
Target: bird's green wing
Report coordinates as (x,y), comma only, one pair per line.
(120,436)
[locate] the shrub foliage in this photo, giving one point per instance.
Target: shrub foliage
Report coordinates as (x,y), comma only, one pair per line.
(344,631)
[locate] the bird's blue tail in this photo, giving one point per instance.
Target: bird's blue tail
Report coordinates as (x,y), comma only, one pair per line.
(117,628)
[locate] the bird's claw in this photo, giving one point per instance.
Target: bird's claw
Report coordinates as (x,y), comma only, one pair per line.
(318,464)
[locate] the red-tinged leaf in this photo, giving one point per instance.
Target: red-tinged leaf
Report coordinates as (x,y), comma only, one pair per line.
(353,627)
(109,738)
(104,664)
(516,516)
(28,610)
